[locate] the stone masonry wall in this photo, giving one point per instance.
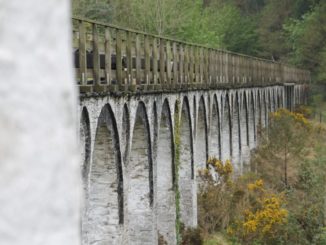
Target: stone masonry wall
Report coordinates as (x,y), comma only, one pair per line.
(139,155)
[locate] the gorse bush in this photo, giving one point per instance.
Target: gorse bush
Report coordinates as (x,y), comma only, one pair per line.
(264,218)
(218,194)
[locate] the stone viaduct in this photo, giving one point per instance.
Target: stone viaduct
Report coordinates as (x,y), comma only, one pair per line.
(152,110)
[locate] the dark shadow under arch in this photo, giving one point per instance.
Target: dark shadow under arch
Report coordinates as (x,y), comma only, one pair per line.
(85,147)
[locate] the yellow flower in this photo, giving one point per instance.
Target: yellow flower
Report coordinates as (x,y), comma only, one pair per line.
(230,231)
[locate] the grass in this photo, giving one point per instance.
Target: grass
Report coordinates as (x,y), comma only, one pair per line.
(217,239)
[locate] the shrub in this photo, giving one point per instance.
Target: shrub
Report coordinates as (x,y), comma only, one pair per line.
(192,236)
(263,219)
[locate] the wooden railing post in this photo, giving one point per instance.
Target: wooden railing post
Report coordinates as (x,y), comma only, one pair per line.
(186,65)
(119,57)
(82,54)
(191,64)
(168,63)
(175,65)
(147,60)
(155,65)
(162,63)
(129,60)
(107,56)
(181,67)
(138,60)
(96,56)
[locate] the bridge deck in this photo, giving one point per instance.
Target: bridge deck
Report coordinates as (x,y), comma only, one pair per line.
(108,58)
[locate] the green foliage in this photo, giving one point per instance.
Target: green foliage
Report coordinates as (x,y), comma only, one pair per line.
(100,11)
(232,30)
(282,147)
(307,39)
(260,208)
(290,31)
(306,171)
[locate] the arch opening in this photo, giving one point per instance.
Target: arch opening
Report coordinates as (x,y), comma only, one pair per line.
(226,144)
(201,137)
(105,214)
(236,136)
(166,209)
(85,148)
(188,213)
(215,133)
(140,186)
(252,121)
(244,128)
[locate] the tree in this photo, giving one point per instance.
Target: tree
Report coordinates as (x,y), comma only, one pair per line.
(307,40)
(282,148)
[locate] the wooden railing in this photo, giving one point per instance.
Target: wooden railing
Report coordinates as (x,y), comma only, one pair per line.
(109,58)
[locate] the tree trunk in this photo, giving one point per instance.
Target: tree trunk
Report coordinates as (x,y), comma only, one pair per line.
(39,170)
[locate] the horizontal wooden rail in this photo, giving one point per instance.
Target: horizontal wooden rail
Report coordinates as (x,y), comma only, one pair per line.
(108,58)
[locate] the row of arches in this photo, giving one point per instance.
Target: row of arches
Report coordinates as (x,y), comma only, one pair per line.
(129,162)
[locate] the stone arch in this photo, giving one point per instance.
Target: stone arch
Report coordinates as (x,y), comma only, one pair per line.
(140,177)
(166,209)
(188,212)
(85,147)
(201,136)
(105,214)
(226,143)
(215,133)
(236,136)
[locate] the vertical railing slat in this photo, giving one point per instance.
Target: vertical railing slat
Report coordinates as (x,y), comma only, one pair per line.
(96,55)
(186,65)
(168,63)
(129,58)
(181,67)
(191,64)
(155,60)
(162,62)
(82,53)
(175,64)
(138,60)
(147,59)
(197,67)
(119,56)
(107,56)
